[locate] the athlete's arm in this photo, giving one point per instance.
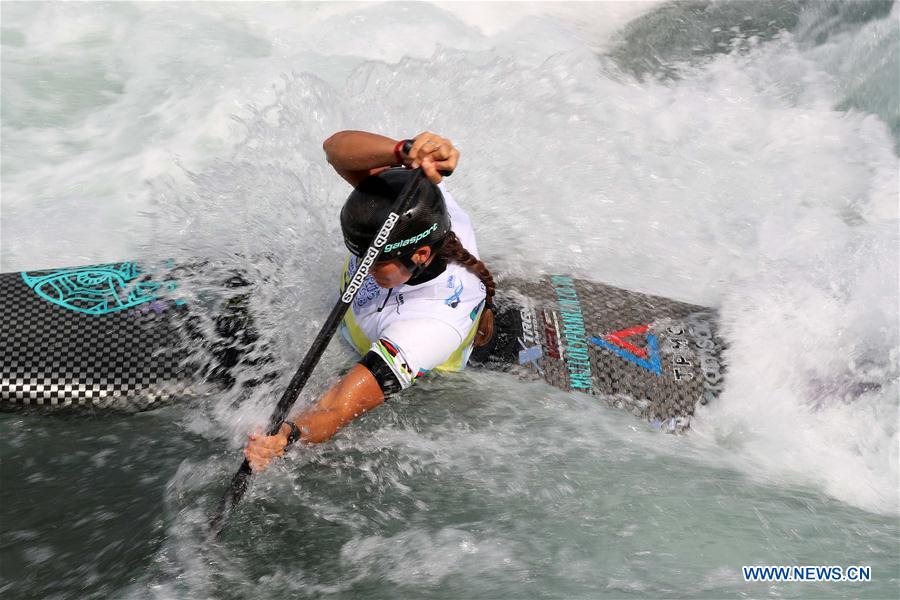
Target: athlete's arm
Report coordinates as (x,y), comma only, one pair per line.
(357,392)
(395,359)
(357,154)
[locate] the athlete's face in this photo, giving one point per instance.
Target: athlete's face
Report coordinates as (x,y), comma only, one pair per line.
(392,273)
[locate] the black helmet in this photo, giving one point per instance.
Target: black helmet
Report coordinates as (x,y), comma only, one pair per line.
(425,223)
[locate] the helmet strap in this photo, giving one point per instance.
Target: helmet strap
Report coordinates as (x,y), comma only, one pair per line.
(422,273)
(413,267)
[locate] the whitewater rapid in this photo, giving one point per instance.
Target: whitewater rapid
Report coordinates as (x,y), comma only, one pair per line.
(757,175)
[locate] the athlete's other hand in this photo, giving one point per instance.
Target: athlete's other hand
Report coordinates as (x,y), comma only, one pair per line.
(434,154)
(261,449)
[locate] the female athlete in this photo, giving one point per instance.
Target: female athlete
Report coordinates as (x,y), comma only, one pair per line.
(425,304)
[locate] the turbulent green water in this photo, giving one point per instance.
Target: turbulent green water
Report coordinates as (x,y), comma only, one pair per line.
(450,498)
(737,155)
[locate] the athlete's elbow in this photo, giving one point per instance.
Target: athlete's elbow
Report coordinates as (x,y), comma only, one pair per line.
(330,146)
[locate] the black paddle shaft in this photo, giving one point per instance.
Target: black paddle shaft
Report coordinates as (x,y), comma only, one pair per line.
(242,478)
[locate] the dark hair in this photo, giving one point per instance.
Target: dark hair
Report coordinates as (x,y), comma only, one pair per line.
(452,249)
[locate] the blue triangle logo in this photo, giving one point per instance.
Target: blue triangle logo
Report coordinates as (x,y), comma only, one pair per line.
(652,362)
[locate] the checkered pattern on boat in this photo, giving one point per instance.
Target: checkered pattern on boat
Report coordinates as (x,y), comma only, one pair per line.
(51,355)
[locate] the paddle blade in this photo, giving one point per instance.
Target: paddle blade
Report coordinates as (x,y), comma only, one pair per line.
(232,496)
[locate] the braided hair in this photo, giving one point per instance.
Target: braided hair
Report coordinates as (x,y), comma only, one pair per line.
(452,249)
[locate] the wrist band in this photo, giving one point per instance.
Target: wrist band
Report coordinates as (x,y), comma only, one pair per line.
(400,148)
(295,432)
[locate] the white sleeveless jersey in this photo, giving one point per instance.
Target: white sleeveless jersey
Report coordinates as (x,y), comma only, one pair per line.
(417,328)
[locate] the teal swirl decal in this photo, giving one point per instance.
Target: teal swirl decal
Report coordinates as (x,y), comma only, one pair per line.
(96,289)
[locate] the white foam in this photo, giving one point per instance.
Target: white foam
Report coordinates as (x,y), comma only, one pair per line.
(738,185)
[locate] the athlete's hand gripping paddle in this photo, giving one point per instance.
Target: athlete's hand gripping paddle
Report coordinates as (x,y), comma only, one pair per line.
(241,479)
